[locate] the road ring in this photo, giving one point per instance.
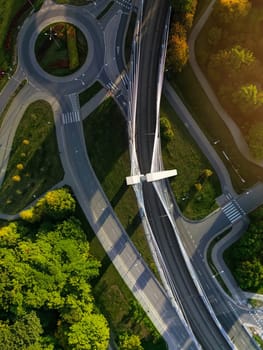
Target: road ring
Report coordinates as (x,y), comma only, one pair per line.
(85,32)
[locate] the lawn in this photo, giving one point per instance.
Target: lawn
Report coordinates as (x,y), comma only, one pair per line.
(87,94)
(183,154)
(106,139)
(61,49)
(34,165)
(214,128)
(12,15)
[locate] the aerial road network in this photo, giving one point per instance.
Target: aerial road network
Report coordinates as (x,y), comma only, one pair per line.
(190,309)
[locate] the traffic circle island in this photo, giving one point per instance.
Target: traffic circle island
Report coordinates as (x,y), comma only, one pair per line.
(61,49)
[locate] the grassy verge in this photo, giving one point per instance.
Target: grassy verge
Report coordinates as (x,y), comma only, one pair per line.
(11,98)
(72,46)
(12,15)
(183,154)
(107,148)
(87,94)
(259,340)
(34,165)
(61,49)
(214,128)
(208,119)
(210,261)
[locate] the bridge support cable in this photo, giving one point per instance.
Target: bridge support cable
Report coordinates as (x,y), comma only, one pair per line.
(185,331)
(156,163)
(169,286)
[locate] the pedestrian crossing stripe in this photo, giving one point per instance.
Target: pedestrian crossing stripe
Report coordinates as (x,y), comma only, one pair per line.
(70,117)
(126,4)
(233,211)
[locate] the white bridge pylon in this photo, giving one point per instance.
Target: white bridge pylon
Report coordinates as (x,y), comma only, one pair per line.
(150,177)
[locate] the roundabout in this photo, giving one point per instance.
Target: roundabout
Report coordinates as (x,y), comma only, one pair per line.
(85,73)
(61,49)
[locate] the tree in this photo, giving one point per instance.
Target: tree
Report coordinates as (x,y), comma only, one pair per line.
(130,342)
(59,203)
(231,64)
(228,11)
(250,274)
(248,98)
(178,51)
(166,129)
(24,334)
(91,333)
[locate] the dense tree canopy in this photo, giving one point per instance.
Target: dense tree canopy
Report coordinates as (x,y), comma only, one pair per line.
(246,256)
(46,267)
(178,50)
(56,204)
(130,342)
(228,11)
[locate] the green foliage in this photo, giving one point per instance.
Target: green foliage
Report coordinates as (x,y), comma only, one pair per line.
(57,204)
(72,47)
(166,129)
(129,342)
(40,158)
(230,63)
(248,99)
(47,267)
(245,257)
(229,11)
(91,332)
(24,334)
(178,51)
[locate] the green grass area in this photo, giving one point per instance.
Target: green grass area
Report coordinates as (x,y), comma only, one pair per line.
(183,154)
(87,94)
(73,53)
(106,139)
(12,15)
(35,149)
(259,340)
(11,98)
(255,303)
(214,128)
(210,261)
(65,52)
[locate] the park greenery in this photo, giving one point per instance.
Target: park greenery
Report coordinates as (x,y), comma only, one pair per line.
(46,299)
(12,15)
(230,54)
(34,165)
(196,186)
(245,258)
(61,49)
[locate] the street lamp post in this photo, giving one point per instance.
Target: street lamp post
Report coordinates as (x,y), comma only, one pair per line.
(52,35)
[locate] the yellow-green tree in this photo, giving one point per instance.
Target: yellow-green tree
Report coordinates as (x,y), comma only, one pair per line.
(178,50)
(130,342)
(228,11)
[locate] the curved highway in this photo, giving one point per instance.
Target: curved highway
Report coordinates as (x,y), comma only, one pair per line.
(195,309)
